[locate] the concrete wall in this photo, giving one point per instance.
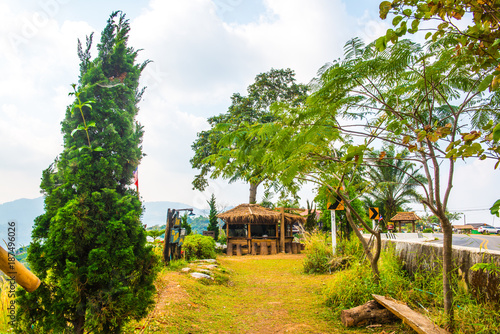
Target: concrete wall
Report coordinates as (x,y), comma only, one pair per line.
(420,255)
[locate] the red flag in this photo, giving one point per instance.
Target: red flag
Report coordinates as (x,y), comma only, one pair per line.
(136,178)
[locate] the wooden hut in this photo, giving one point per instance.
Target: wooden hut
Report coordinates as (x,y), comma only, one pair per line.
(253,229)
(405,218)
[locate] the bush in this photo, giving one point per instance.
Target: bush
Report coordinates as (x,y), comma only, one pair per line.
(355,286)
(198,247)
(319,253)
(222,237)
(428,230)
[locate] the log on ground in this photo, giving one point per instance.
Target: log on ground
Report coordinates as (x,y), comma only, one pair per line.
(367,314)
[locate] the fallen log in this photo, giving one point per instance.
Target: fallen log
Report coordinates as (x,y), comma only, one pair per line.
(367,314)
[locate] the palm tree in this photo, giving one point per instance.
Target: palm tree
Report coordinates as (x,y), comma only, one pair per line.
(394,180)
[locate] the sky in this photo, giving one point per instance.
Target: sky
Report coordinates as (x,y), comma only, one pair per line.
(203,51)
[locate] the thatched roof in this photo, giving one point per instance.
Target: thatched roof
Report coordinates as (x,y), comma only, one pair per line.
(255,214)
(405,216)
(463,227)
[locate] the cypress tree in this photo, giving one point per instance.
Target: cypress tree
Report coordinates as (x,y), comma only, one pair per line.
(212,217)
(89,247)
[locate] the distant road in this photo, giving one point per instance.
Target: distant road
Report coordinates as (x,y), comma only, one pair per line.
(487,242)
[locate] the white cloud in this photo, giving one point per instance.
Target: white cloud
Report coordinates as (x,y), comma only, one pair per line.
(200,60)
(39,65)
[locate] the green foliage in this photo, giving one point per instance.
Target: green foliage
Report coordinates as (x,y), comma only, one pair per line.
(311,221)
(185,224)
(212,217)
(428,230)
(354,286)
(495,209)
(394,181)
(490,267)
(222,237)
(318,253)
(238,158)
(89,247)
(480,39)
(155,234)
(199,224)
(177,264)
(198,247)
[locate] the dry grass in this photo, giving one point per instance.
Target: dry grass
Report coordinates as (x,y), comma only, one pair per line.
(4,303)
(266,294)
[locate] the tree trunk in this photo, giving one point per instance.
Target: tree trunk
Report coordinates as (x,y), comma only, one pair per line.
(367,314)
(447,270)
(79,324)
(373,258)
(253,193)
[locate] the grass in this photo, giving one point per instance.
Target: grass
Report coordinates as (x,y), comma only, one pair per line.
(4,303)
(262,294)
(423,292)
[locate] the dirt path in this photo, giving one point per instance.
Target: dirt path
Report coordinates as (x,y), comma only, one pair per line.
(265,294)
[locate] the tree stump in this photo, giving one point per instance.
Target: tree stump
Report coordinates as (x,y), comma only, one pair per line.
(367,314)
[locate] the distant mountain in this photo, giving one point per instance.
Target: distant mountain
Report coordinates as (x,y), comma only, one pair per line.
(24,211)
(155,213)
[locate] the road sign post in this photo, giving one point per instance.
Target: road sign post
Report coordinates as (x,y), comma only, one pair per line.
(338,205)
(373,213)
(334,232)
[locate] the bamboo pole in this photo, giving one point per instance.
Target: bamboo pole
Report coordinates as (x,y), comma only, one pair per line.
(15,270)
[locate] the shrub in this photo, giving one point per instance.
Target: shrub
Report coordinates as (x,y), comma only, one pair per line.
(319,253)
(355,286)
(428,230)
(222,237)
(198,247)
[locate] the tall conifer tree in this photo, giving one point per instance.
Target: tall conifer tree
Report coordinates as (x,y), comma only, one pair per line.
(89,247)
(212,217)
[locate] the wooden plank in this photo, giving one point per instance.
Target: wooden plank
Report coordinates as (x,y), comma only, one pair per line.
(415,320)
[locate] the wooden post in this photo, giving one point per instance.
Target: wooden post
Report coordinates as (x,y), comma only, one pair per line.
(229,251)
(238,250)
(399,223)
(263,248)
(273,246)
(254,248)
(15,270)
(413,226)
(282,237)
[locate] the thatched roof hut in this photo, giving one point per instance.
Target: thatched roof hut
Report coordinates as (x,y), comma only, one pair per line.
(404,218)
(256,214)
(250,225)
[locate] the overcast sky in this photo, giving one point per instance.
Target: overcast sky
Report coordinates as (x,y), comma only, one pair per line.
(203,51)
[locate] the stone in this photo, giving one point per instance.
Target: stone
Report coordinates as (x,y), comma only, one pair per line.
(186,270)
(200,275)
